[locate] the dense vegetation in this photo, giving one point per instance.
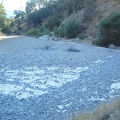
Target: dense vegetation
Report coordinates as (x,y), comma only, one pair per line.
(2,16)
(36,14)
(70,30)
(47,16)
(110,30)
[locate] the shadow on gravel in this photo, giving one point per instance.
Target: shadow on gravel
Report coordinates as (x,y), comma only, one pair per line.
(73,50)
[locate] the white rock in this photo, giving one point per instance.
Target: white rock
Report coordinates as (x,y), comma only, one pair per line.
(77,39)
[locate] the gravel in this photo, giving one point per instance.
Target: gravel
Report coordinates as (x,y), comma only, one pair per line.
(41,79)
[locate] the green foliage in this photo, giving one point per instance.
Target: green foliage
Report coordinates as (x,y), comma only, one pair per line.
(82,36)
(70,30)
(54,21)
(2,16)
(56,31)
(32,18)
(75,5)
(37,32)
(36,14)
(110,30)
(61,32)
(6,26)
(30,5)
(19,14)
(43,31)
(32,32)
(2,9)
(33,5)
(41,2)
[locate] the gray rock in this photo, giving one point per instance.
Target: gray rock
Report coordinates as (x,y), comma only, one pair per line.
(112,46)
(73,50)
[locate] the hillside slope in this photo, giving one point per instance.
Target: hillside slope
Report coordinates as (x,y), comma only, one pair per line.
(100,9)
(103,8)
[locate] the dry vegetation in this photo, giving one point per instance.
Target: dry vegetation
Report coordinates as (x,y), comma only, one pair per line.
(107,111)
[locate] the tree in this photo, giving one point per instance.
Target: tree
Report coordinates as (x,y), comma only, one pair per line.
(39,10)
(30,6)
(33,5)
(2,15)
(19,14)
(41,3)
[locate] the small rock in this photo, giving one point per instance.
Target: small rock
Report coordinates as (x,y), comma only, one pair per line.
(112,46)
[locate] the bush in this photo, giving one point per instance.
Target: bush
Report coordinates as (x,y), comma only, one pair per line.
(56,31)
(70,30)
(6,26)
(6,29)
(32,32)
(54,21)
(110,30)
(43,31)
(37,32)
(61,32)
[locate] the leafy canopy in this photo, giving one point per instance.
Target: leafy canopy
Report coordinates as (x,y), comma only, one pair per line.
(2,15)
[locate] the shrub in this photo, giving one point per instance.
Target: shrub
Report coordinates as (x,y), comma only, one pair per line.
(43,31)
(110,30)
(56,31)
(70,30)
(32,32)
(82,36)
(54,21)
(6,29)
(6,26)
(61,32)
(37,32)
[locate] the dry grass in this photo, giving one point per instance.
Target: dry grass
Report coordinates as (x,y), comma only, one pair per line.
(107,111)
